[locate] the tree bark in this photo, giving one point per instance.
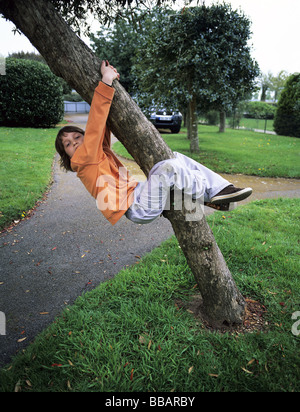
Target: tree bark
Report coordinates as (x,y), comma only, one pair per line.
(69,58)
(188,122)
(194,139)
(222,121)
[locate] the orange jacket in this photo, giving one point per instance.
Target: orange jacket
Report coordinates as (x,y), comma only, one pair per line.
(103,175)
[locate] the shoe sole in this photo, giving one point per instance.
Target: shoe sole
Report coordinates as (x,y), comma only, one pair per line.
(224,207)
(232,197)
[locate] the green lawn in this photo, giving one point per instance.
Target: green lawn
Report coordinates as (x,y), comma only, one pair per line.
(250,124)
(136,333)
(26,157)
(238,151)
(259,124)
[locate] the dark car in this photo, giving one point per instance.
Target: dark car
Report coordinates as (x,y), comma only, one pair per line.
(167,119)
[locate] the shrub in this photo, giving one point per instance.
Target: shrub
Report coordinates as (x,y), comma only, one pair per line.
(287,117)
(31,95)
(212,117)
(260,110)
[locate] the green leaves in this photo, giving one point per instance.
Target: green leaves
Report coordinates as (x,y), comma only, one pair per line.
(31,96)
(200,51)
(287,118)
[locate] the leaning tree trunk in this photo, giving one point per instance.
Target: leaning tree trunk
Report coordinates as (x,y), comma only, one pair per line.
(69,58)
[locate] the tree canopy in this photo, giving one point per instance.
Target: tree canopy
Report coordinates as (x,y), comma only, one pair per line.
(197,57)
(118,45)
(194,58)
(76,12)
(272,83)
(201,50)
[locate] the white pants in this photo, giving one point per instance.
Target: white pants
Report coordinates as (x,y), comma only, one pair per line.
(181,174)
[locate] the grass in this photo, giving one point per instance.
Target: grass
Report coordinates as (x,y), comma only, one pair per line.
(25,169)
(246,123)
(238,151)
(131,334)
(259,124)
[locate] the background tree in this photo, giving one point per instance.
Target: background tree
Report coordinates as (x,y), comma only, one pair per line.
(265,84)
(199,55)
(70,58)
(259,110)
(117,43)
(28,56)
(272,83)
(77,12)
(278,83)
(287,116)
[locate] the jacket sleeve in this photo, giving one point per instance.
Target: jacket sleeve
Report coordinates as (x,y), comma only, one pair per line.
(96,130)
(107,139)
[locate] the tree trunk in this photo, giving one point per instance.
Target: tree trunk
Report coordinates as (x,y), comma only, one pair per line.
(264,89)
(193,124)
(69,58)
(222,121)
(222,303)
(188,122)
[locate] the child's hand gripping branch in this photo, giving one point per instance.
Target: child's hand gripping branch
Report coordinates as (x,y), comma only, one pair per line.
(109,73)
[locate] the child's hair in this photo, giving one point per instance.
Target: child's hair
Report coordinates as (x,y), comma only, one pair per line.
(65,161)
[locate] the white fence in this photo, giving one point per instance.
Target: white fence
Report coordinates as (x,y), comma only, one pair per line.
(76,107)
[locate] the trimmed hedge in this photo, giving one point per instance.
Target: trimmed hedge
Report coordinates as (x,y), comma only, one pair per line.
(31,95)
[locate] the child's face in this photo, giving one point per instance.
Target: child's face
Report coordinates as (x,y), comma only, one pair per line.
(71,141)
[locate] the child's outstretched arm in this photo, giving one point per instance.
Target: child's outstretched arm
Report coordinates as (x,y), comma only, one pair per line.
(92,147)
(109,74)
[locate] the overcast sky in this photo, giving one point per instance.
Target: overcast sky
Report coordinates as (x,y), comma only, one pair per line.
(275,39)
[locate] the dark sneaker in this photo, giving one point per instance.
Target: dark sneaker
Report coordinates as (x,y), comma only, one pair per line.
(231,194)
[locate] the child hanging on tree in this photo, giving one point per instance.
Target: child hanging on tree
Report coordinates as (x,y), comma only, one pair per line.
(104,176)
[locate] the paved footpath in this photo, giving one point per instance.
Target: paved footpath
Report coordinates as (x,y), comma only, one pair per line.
(66,248)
